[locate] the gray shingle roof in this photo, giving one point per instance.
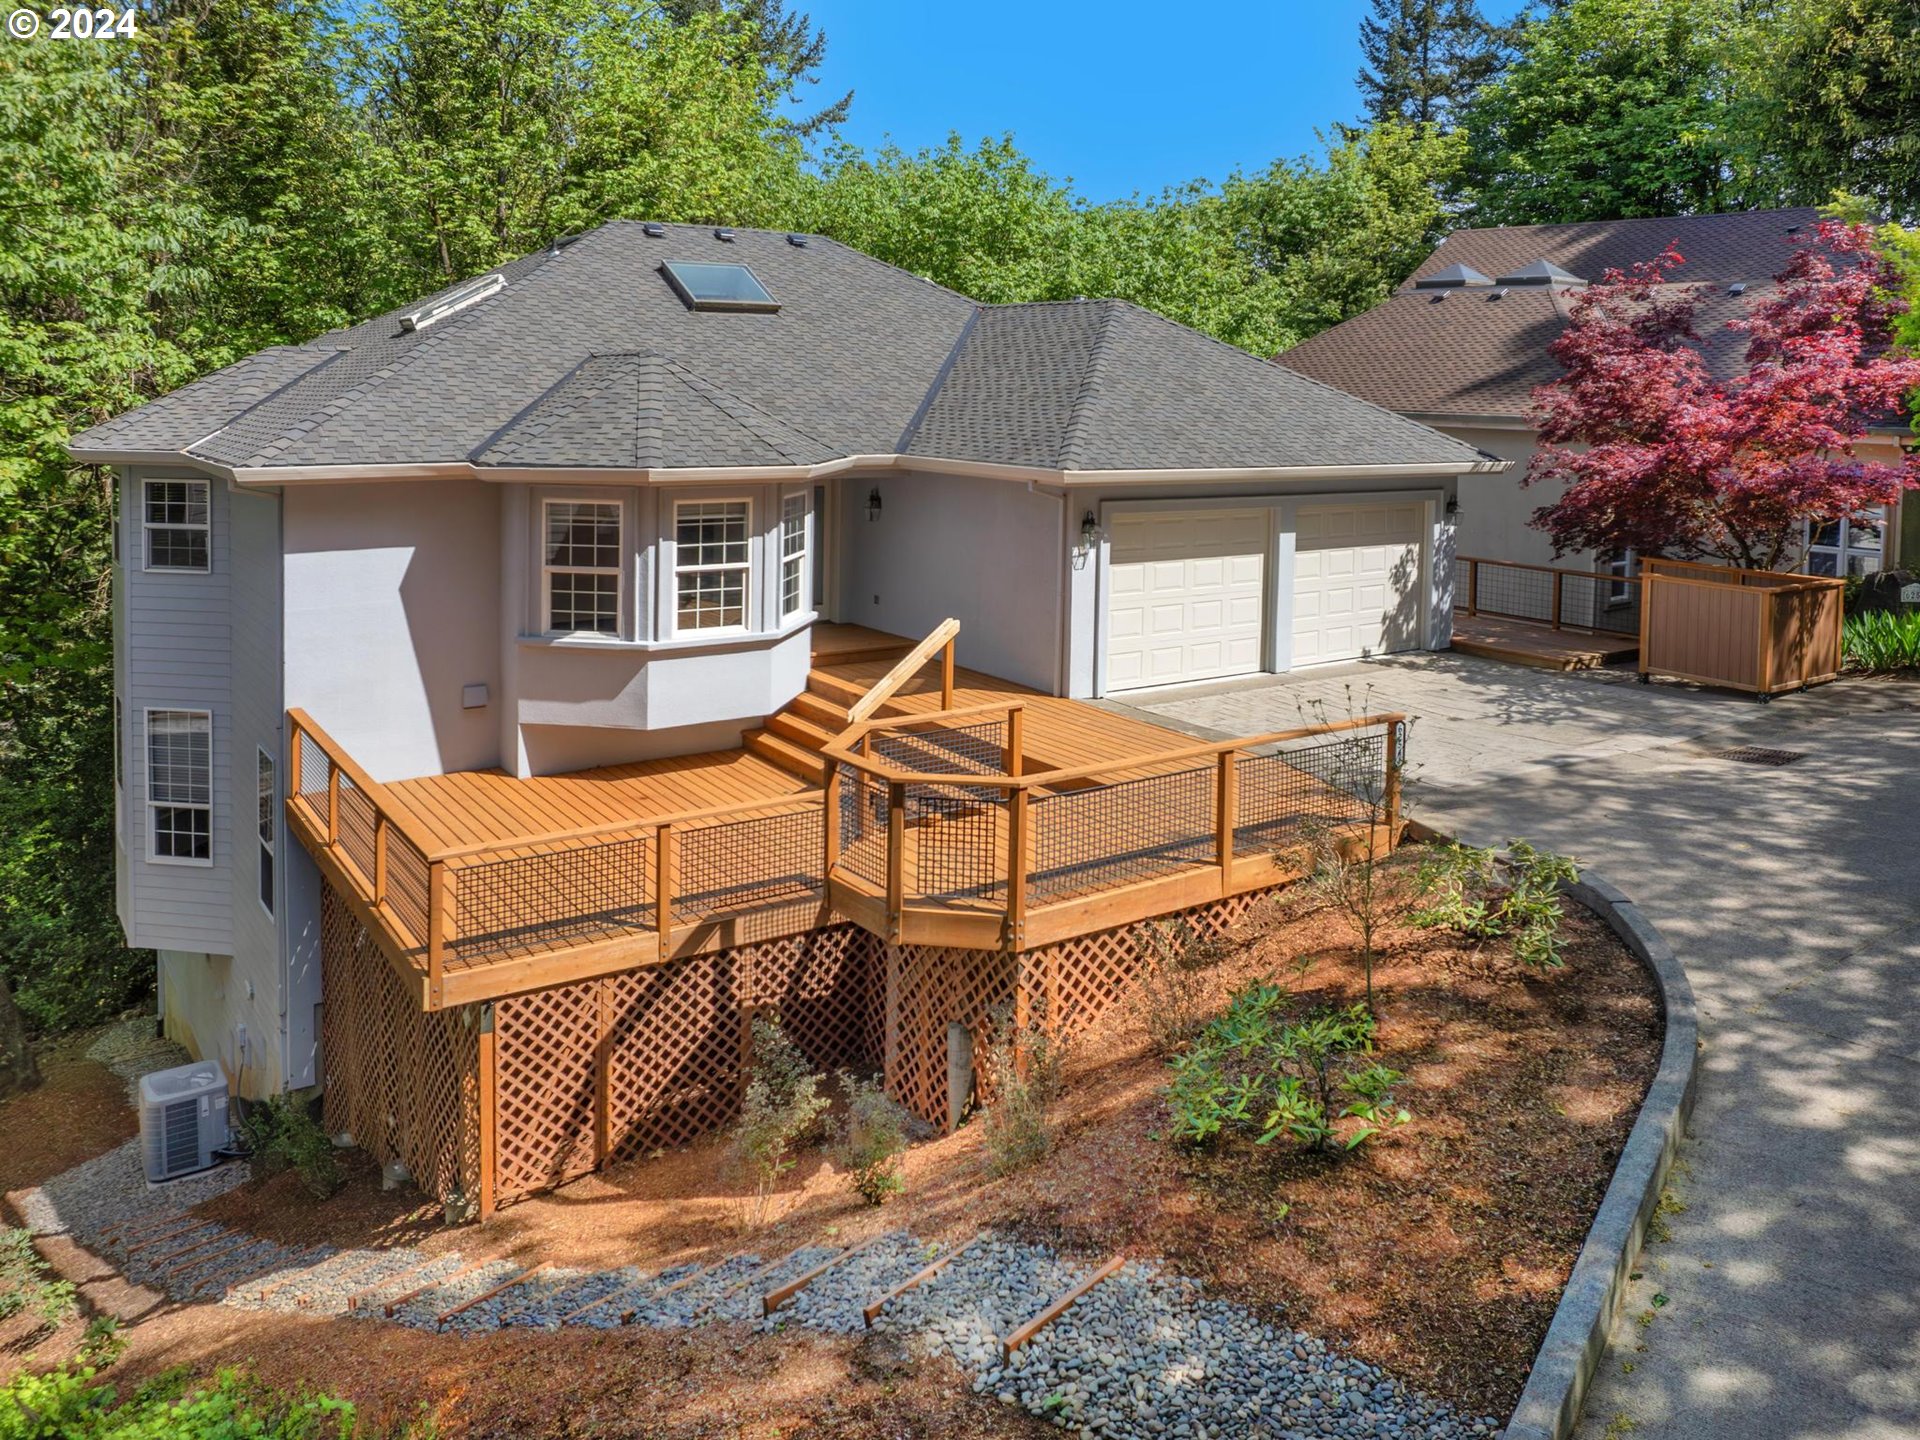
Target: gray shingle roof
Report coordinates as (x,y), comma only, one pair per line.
(587,358)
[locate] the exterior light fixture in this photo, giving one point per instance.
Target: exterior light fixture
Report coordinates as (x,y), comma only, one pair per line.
(1453,505)
(1089,530)
(873,504)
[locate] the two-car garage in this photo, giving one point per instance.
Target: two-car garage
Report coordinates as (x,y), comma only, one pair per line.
(1191,593)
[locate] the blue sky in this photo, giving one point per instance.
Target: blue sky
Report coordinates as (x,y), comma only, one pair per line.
(1120,95)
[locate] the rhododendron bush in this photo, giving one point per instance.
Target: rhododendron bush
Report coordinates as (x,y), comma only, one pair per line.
(1661,456)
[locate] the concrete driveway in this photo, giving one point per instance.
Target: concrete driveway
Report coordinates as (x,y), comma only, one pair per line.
(1786,1305)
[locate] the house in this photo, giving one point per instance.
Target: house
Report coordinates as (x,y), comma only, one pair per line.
(480,669)
(1463,342)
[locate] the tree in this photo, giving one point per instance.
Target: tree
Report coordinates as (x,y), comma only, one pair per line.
(790,45)
(1425,58)
(1611,109)
(1833,100)
(1659,455)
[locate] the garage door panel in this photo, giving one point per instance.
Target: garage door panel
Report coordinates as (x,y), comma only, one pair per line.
(1186,596)
(1356,588)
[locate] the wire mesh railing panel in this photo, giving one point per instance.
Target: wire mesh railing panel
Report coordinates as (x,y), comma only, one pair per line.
(956,843)
(1284,798)
(956,750)
(1509,591)
(1111,835)
(358,821)
(527,903)
(1608,604)
(862,819)
(742,864)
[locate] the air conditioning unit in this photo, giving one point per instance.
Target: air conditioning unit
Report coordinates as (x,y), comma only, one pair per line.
(183,1119)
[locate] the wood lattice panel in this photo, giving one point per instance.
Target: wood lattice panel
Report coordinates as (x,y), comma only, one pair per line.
(403,1083)
(546,1045)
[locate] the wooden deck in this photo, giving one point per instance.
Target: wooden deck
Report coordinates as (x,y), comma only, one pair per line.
(1521,642)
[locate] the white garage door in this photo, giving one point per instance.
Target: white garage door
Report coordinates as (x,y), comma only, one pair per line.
(1356,581)
(1186,593)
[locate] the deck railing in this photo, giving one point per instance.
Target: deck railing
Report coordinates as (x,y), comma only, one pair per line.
(980,840)
(447,910)
(1564,599)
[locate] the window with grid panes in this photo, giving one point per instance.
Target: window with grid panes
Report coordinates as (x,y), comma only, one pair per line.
(180,784)
(581,566)
(175,518)
(793,553)
(711,564)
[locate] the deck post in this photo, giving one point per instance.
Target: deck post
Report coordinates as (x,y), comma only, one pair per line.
(333,802)
(1019,843)
(830,818)
(663,888)
(489,1113)
(946,675)
(379,858)
(439,898)
(1226,813)
(1558,576)
(1016,740)
(896,857)
(295,746)
(1390,789)
(1473,587)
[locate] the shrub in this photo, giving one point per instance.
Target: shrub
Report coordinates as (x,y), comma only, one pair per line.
(1255,1072)
(68,1404)
(1023,1079)
(283,1135)
(1883,640)
(1484,895)
(873,1134)
(783,1107)
(1170,996)
(27,1282)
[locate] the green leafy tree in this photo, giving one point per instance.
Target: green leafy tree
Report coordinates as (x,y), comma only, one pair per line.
(789,44)
(1426,58)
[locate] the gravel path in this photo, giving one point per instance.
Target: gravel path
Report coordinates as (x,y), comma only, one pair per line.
(1141,1354)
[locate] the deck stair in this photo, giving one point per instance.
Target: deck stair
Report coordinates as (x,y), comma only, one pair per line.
(792,738)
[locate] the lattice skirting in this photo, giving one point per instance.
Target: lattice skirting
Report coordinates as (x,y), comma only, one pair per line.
(622,1065)
(403,1083)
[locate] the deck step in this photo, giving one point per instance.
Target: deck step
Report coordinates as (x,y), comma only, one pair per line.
(819,710)
(790,757)
(809,734)
(831,687)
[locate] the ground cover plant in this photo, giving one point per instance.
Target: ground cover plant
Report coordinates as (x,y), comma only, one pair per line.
(1486,895)
(1882,640)
(1023,1078)
(72,1403)
(283,1136)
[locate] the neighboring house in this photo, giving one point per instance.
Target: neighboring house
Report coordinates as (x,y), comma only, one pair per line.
(1462,344)
(584,512)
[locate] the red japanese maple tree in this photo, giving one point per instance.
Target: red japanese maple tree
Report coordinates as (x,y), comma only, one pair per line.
(1661,456)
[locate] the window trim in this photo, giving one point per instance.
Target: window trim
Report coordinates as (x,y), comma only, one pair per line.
(747,567)
(1843,547)
(1621,566)
(803,599)
(147,526)
(268,776)
(154,857)
(618,569)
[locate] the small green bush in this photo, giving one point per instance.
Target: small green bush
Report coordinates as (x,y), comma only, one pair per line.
(27,1282)
(873,1135)
(1170,997)
(1485,896)
(283,1135)
(1023,1065)
(1256,1072)
(783,1108)
(1882,640)
(70,1404)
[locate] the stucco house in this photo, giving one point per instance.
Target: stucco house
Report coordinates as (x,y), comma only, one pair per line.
(446,639)
(1463,342)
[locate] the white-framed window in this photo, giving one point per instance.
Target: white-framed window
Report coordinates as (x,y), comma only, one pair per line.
(1622,565)
(180,786)
(269,797)
(795,525)
(1848,547)
(581,567)
(174,515)
(712,564)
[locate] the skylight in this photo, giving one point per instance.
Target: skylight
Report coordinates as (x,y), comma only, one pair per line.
(706,286)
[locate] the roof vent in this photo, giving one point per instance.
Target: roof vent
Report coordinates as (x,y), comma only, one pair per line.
(799,242)
(722,233)
(1436,297)
(452,302)
(1540,272)
(652,229)
(1499,294)
(1739,287)
(1450,278)
(1793,229)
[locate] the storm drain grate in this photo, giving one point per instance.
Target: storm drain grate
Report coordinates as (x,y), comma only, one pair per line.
(1759,755)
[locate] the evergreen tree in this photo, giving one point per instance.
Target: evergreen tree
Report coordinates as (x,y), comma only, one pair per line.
(1426,58)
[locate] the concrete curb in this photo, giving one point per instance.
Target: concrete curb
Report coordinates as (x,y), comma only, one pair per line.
(1549,1407)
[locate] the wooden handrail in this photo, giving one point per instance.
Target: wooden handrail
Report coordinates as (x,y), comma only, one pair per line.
(925,717)
(636,827)
(1607,575)
(940,638)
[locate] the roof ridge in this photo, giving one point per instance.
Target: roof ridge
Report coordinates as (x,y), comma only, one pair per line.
(744,412)
(1620,220)
(1074,441)
(649,410)
(940,377)
(312,420)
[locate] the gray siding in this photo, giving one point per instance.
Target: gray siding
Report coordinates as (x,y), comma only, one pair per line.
(176,652)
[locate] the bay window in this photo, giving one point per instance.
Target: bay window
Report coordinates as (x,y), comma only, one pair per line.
(712,563)
(581,567)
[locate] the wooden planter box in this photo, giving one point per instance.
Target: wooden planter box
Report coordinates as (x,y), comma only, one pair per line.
(1753,630)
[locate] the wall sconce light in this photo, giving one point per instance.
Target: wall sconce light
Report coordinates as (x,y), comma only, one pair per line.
(1453,505)
(1089,530)
(873,504)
